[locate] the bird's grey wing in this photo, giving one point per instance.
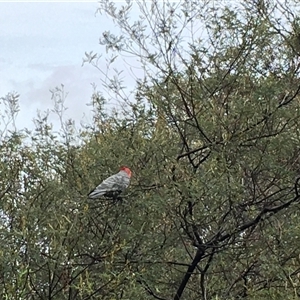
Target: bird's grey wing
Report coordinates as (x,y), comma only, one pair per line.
(111,184)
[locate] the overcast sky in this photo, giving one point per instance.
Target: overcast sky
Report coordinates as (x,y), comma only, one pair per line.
(42,46)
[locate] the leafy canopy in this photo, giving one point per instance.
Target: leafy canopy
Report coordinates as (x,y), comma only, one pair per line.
(211,132)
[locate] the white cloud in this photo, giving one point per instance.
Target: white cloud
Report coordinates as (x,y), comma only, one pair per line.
(42,45)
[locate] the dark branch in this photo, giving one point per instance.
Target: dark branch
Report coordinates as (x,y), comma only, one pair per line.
(199,254)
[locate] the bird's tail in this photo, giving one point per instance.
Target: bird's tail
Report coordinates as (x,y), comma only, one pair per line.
(94,194)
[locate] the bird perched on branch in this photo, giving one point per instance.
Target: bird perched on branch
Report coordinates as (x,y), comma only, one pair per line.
(112,186)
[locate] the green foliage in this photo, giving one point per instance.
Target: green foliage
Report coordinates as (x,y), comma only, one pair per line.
(212,137)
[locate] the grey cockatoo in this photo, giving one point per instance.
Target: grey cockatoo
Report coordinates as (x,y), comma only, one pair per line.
(112,186)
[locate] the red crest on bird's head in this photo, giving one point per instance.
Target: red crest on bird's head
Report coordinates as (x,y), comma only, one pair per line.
(126,169)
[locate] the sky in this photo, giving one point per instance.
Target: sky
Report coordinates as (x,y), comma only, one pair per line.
(42,46)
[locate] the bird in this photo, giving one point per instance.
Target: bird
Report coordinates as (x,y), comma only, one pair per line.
(112,186)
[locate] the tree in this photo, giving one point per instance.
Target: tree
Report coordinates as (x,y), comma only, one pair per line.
(211,134)
(233,92)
